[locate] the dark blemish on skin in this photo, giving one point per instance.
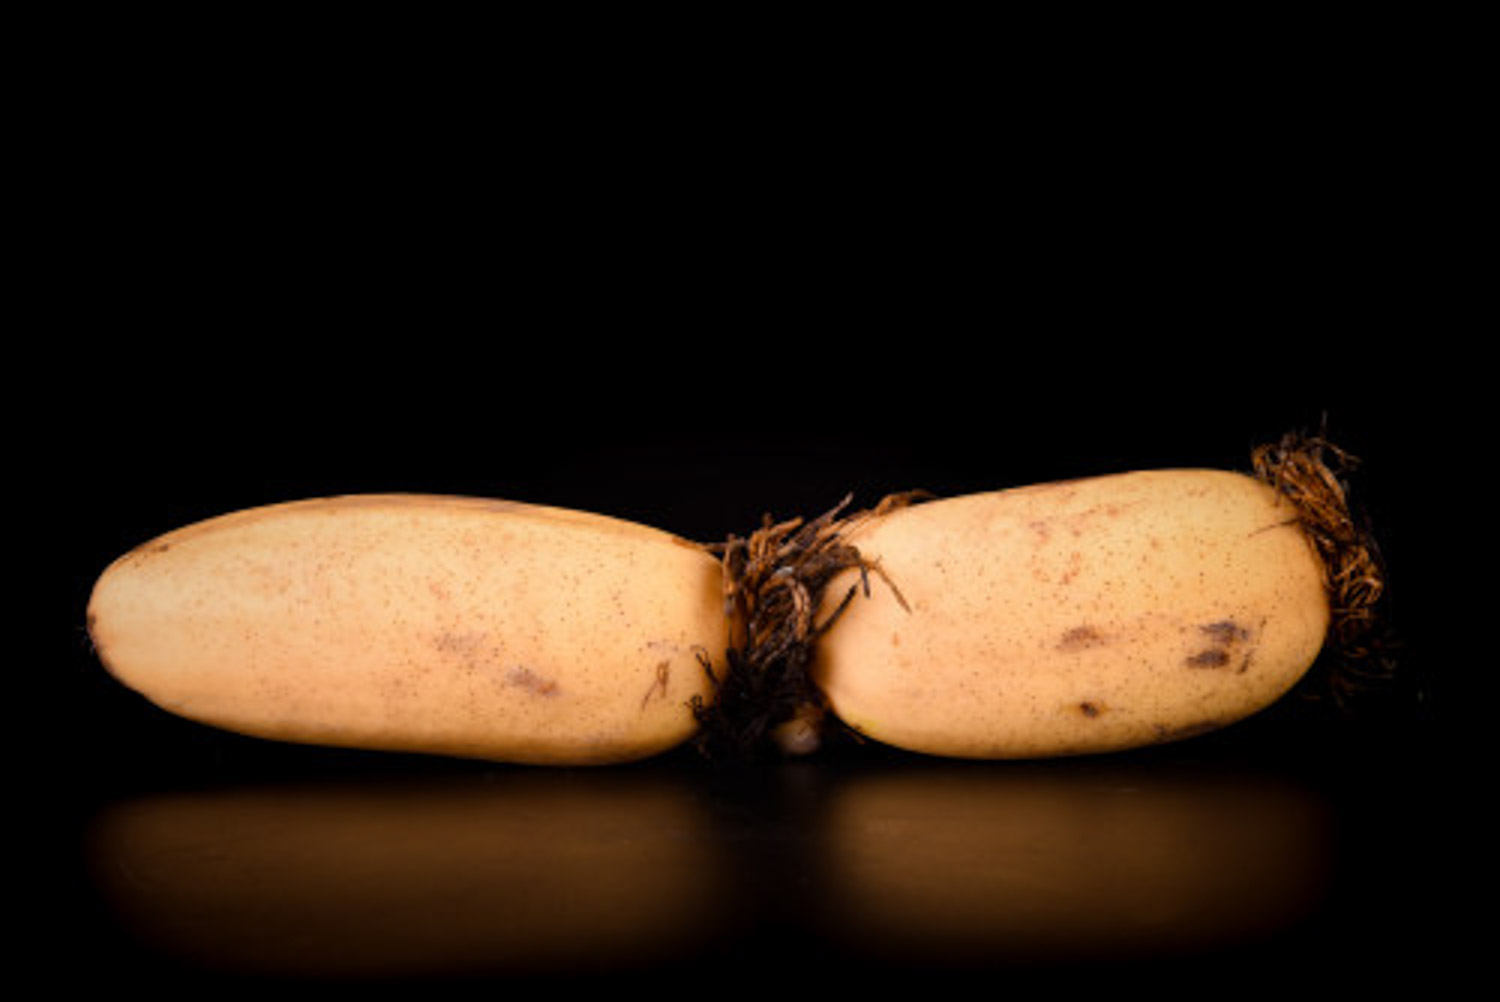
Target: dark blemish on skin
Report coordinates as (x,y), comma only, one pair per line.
(525,678)
(1080,638)
(659,683)
(148,550)
(1090,710)
(1226,631)
(1224,635)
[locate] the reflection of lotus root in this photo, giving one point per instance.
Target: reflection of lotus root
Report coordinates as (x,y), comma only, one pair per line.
(938,863)
(366,880)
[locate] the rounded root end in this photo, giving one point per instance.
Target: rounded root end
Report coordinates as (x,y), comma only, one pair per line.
(1312,474)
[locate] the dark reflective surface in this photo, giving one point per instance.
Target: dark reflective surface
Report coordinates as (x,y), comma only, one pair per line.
(1072,864)
(527,872)
(858,871)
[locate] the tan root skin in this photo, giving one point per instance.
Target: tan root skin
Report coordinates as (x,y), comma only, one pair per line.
(444,625)
(1085,616)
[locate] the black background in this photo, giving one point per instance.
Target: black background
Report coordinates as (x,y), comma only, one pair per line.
(693,313)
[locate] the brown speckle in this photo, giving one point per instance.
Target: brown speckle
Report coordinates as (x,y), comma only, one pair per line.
(659,683)
(1090,709)
(1225,635)
(1225,631)
(1213,657)
(1079,638)
(524,678)
(461,643)
(146,550)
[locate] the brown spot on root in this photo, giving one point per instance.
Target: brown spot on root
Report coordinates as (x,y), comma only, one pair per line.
(659,683)
(146,550)
(1225,635)
(1064,575)
(1225,631)
(1090,709)
(1080,638)
(524,678)
(1214,657)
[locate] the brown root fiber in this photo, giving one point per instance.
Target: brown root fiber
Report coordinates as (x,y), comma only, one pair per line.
(774,585)
(1311,473)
